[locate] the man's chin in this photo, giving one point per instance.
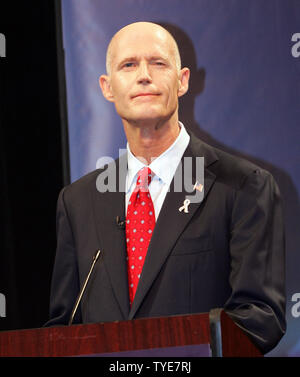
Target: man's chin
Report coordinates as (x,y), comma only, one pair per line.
(146,116)
(143,121)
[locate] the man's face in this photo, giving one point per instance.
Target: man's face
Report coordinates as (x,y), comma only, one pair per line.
(144,81)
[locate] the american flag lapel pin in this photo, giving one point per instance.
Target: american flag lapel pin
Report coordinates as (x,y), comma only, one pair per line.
(198,186)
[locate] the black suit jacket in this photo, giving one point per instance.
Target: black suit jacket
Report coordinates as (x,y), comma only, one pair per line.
(228,251)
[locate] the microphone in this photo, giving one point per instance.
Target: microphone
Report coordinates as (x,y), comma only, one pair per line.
(95,258)
(120,223)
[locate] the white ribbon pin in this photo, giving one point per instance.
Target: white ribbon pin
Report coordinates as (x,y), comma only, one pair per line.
(185,206)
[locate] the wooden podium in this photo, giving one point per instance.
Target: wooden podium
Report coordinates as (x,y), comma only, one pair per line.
(206,334)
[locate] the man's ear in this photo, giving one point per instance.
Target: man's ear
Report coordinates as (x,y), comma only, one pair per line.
(104,83)
(184,76)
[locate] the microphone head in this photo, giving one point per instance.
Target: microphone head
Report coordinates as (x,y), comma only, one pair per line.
(120,222)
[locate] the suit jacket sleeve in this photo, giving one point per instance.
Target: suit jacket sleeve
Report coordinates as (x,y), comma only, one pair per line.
(65,280)
(257,247)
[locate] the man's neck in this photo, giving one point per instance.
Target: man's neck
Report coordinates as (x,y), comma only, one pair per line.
(150,140)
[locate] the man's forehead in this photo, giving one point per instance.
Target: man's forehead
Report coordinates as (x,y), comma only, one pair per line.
(142,45)
(133,39)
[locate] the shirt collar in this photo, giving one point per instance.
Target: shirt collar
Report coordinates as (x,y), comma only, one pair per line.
(164,166)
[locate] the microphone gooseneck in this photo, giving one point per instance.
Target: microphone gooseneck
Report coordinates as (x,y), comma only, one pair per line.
(95,258)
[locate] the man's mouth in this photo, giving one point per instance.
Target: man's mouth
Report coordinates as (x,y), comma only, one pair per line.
(145,95)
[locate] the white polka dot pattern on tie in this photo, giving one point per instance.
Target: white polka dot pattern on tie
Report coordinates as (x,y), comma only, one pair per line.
(140,223)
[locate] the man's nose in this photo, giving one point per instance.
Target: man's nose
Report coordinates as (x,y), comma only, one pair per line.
(144,76)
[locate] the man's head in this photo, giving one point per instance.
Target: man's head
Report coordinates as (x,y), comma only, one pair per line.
(141,25)
(144,78)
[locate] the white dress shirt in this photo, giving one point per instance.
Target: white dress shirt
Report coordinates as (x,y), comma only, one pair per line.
(164,167)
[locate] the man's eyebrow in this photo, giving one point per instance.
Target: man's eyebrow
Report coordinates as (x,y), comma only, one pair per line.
(158,57)
(135,58)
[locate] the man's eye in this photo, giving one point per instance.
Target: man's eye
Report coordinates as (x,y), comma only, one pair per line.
(128,65)
(158,63)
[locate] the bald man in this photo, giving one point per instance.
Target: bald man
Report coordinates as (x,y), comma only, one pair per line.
(162,254)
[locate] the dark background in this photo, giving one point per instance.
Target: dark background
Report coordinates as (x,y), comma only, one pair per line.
(31,158)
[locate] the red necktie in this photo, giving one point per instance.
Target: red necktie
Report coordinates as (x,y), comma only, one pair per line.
(140,222)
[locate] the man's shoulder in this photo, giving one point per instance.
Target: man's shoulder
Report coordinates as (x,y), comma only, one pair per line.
(82,185)
(230,168)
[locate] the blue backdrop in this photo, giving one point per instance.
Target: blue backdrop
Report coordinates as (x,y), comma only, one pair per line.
(244,95)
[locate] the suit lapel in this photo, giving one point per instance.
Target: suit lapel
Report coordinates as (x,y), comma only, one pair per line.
(171,222)
(108,206)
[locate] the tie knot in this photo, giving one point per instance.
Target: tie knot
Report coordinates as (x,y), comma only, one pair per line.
(144,178)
